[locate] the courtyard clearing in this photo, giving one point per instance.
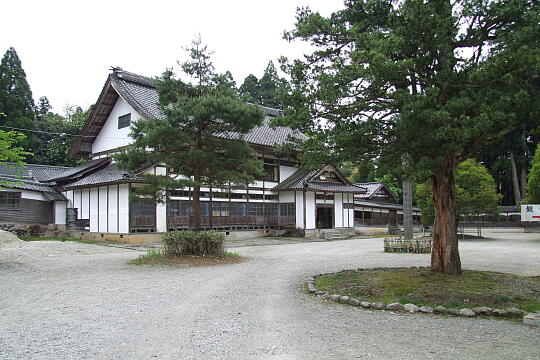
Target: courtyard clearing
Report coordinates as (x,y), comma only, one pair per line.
(73,300)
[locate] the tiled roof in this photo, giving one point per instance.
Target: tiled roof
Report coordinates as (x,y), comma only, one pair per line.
(381,205)
(107,175)
(140,92)
(302,180)
(371,189)
(79,170)
(30,171)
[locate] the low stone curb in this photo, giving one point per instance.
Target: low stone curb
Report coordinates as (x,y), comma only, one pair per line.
(412,308)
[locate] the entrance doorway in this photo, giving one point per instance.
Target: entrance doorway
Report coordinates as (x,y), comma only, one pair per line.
(325,217)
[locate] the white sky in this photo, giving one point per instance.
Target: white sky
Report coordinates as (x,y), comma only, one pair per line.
(67,47)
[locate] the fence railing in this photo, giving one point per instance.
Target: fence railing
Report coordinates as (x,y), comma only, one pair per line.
(399,245)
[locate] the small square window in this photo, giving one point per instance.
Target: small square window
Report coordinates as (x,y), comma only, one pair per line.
(124,121)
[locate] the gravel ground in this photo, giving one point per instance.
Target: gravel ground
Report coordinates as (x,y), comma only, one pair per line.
(78,301)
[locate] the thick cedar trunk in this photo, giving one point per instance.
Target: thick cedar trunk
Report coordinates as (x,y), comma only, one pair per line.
(445,253)
(515,182)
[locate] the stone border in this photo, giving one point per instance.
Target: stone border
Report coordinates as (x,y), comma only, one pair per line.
(409,308)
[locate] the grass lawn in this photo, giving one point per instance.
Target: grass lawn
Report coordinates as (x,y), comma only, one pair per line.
(156,257)
(62,239)
(422,287)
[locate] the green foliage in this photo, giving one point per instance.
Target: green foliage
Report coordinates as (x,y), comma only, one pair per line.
(54,143)
(197,243)
(9,152)
(476,193)
(265,91)
(388,79)
(534,179)
(184,140)
(16,100)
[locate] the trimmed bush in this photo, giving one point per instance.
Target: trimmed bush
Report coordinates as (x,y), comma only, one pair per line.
(198,243)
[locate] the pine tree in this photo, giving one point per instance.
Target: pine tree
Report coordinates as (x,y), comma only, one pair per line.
(16,100)
(185,139)
(249,90)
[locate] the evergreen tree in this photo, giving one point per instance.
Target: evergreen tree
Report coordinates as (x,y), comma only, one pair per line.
(43,107)
(55,137)
(534,179)
(249,90)
(265,91)
(476,193)
(185,139)
(16,98)
(431,80)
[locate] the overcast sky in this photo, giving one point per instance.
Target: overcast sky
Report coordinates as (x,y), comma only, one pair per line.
(67,47)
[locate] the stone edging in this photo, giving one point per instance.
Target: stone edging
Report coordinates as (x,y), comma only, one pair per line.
(408,308)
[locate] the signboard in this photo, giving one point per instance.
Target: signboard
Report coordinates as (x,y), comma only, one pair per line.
(530,212)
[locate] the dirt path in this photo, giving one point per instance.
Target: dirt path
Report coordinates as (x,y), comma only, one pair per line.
(70,300)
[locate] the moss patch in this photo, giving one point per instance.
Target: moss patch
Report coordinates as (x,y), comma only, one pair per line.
(422,287)
(61,239)
(156,257)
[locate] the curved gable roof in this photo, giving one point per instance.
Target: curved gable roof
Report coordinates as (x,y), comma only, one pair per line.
(141,94)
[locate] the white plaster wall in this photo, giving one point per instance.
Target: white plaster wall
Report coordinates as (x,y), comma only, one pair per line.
(113,209)
(286,197)
(94,209)
(77,202)
(60,212)
(102,205)
(299,210)
(110,137)
(310,210)
(25,194)
(161,217)
(285,172)
(84,211)
(338,211)
(123,208)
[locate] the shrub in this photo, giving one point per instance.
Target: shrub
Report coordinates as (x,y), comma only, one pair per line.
(199,243)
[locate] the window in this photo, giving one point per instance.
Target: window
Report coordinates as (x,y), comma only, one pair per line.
(143,207)
(255,196)
(124,121)
(323,197)
(179,193)
(238,196)
(287,209)
(10,200)
(271,169)
(271,197)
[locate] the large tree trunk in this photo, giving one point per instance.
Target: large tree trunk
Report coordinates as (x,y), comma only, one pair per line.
(445,253)
(196,200)
(515,182)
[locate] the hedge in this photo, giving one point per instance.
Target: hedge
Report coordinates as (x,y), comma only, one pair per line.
(198,243)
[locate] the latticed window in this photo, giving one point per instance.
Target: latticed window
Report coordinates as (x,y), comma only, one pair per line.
(124,121)
(287,209)
(10,200)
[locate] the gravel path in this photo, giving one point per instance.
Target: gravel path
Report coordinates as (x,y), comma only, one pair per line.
(78,301)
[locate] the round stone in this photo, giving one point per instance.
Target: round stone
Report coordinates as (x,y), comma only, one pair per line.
(466,312)
(439,310)
(378,306)
(411,308)
(344,299)
(426,309)
(365,304)
(354,302)
(394,307)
